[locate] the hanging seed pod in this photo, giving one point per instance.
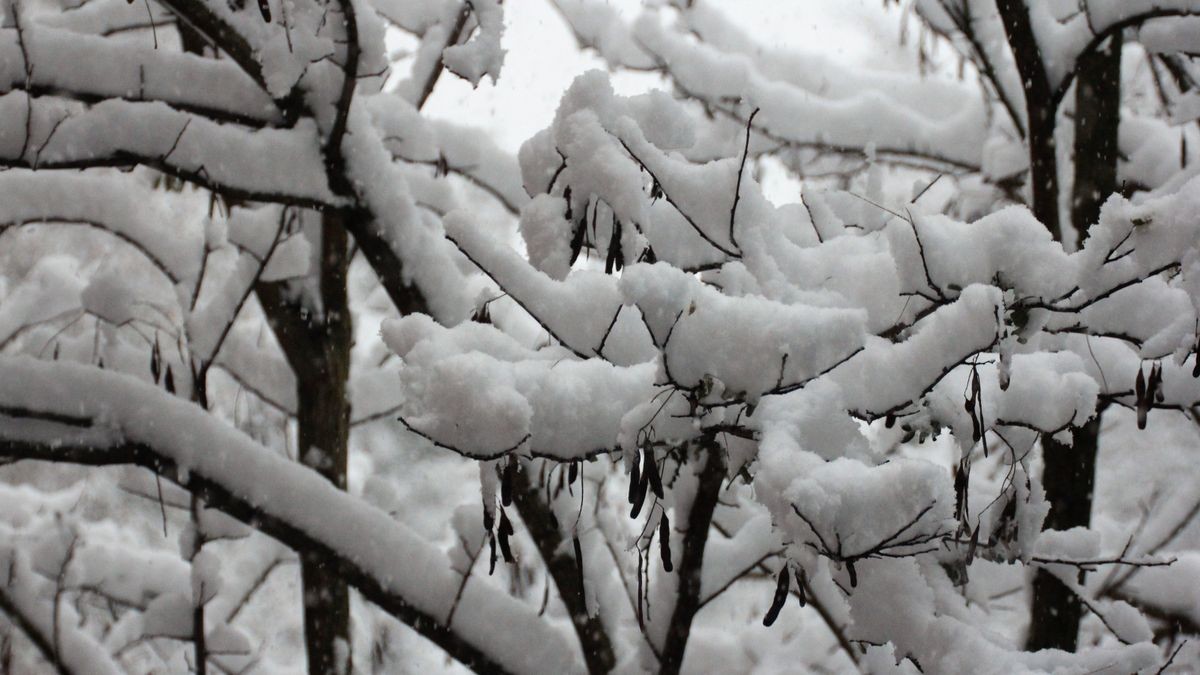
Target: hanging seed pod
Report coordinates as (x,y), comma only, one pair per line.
(570,214)
(960,492)
(168,381)
(802,582)
(155,360)
(506,482)
(853,574)
(615,259)
(656,191)
(492,545)
(664,542)
(1155,384)
(577,237)
(651,472)
(489,518)
(639,497)
(1143,401)
(505,531)
(265,8)
(889,421)
(781,593)
(635,477)
(648,256)
(573,473)
(578,561)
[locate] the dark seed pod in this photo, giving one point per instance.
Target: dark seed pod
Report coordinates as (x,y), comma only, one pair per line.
(489,519)
(651,472)
(1143,401)
(492,545)
(168,381)
(802,582)
(265,8)
(635,478)
(578,561)
(506,482)
(639,497)
(889,421)
(155,361)
(648,256)
(664,542)
(615,258)
(960,491)
(853,574)
(505,531)
(973,545)
(570,214)
(577,239)
(781,593)
(573,472)
(56,351)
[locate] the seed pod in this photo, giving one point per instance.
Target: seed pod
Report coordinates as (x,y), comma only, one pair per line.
(802,582)
(489,518)
(577,239)
(265,8)
(1155,384)
(573,472)
(648,256)
(639,496)
(615,259)
(889,421)
(651,472)
(781,592)
(155,362)
(664,542)
(853,574)
(506,482)
(578,561)
(569,215)
(973,545)
(1143,401)
(505,531)
(168,381)
(635,477)
(492,545)
(960,491)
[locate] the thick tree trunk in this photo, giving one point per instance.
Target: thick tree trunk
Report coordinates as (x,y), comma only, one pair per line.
(1069,473)
(317,343)
(1039,111)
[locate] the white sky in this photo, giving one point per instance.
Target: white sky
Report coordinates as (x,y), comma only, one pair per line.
(543,58)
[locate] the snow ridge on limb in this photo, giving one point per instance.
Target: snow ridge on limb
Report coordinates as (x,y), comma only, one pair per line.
(137,423)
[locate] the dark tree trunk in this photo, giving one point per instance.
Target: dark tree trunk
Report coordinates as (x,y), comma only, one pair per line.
(695,539)
(1069,473)
(317,343)
(1040,111)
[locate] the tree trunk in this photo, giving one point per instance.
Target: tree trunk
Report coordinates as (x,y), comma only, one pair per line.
(1040,112)
(691,563)
(1069,472)
(317,344)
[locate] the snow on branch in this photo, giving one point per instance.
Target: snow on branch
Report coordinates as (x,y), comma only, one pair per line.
(70,413)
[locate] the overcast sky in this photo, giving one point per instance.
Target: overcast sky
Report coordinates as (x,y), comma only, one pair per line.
(543,59)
